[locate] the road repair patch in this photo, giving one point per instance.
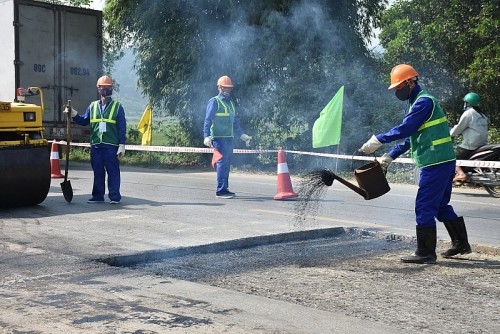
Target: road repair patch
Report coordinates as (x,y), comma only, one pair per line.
(358,273)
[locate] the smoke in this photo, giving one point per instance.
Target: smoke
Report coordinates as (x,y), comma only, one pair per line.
(286,66)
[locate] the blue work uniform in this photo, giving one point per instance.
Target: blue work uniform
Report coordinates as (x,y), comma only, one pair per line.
(104,145)
(221,124)
(437,169)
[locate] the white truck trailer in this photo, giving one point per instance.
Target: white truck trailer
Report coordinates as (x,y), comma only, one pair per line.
(57,48)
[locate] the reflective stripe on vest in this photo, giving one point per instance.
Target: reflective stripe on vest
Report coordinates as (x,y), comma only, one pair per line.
(222,125)
(112,114)
(109,137)
(432,144)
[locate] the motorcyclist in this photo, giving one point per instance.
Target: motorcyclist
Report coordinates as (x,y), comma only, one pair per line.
(473,126)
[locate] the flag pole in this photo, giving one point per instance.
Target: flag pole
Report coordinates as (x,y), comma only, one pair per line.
(337,159)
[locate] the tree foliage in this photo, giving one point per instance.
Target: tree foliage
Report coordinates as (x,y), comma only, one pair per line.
(454,44)
(287,58)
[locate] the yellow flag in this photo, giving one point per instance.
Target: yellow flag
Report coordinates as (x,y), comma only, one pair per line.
(146,126)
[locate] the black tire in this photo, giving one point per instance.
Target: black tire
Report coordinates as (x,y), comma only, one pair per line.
(493,191)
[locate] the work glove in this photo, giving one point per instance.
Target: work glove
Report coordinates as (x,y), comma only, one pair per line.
(121,151)
(385,161)
(371,145)
(246,138)
(207,141)
(73,111)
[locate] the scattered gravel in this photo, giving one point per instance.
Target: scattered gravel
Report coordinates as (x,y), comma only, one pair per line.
(361,276)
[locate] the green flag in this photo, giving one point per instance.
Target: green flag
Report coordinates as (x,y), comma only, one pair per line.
(326,129)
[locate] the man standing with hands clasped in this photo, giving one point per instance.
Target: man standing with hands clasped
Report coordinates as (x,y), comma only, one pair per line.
(427,136)
(107,140)
(220,126)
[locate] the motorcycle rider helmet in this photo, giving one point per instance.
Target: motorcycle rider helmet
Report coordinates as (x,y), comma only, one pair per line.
(473,99)
(401,73)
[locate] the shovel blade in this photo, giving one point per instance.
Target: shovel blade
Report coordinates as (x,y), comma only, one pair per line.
(67,190)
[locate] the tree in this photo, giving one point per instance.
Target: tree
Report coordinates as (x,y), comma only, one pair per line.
(454,44)
(287,59)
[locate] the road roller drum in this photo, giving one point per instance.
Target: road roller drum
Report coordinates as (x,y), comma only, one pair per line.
(24,153)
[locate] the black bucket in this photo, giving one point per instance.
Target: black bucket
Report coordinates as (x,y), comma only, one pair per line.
(371,178)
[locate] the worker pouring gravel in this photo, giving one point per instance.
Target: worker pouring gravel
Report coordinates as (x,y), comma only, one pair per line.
(427,136)
(107,140)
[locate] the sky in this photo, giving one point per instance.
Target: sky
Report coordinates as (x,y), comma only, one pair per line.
(97,4)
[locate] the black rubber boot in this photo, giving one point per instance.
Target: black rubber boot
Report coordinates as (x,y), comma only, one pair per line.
(459,240)
(426,247)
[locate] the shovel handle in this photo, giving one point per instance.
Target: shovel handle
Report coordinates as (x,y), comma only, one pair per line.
(68,138)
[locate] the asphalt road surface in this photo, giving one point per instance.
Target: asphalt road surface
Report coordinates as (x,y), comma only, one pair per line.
(55,278)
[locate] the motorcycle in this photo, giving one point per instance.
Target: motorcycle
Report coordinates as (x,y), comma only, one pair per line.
(484,174)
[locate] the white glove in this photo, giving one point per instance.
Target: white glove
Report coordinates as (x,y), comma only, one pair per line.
(246,138)
(371,145)
(121,151)
(207,141)
(73,111)
(385,161)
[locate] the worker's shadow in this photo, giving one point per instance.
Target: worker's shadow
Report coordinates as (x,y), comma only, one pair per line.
(455,263)
(469,263)
(134,203)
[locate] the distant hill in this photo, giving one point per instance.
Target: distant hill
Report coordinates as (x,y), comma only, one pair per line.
(128,94)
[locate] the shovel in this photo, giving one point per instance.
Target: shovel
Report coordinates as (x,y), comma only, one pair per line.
(66,184)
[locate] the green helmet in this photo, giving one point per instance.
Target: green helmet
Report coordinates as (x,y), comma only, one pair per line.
(473,99)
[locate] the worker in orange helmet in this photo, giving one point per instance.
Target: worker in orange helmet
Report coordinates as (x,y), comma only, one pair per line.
(426,133)
(107,140)
(220,126)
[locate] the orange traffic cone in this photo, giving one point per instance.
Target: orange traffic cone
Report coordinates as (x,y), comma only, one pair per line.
(55,168)
(284,183)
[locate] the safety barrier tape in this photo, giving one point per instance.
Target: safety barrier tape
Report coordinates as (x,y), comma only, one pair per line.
(173,149)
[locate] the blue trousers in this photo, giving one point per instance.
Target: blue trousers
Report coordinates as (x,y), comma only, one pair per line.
(225,146)
(103,160)
(434,194)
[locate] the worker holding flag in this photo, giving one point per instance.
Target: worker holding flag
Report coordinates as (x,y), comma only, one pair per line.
(221,123)
(145,126)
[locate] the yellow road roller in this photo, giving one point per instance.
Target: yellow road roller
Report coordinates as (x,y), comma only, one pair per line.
(24,152)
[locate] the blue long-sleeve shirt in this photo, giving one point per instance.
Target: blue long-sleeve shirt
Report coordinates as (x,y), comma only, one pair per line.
(419,113)
(121,123)
(212,108)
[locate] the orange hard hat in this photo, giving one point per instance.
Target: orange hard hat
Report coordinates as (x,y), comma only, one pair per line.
(225,81)
(105,80)
(400,73)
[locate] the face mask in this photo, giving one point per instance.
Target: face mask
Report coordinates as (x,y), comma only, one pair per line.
(226,92)
(105,91)
(404,93)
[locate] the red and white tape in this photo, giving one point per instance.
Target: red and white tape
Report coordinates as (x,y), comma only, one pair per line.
(173,149)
